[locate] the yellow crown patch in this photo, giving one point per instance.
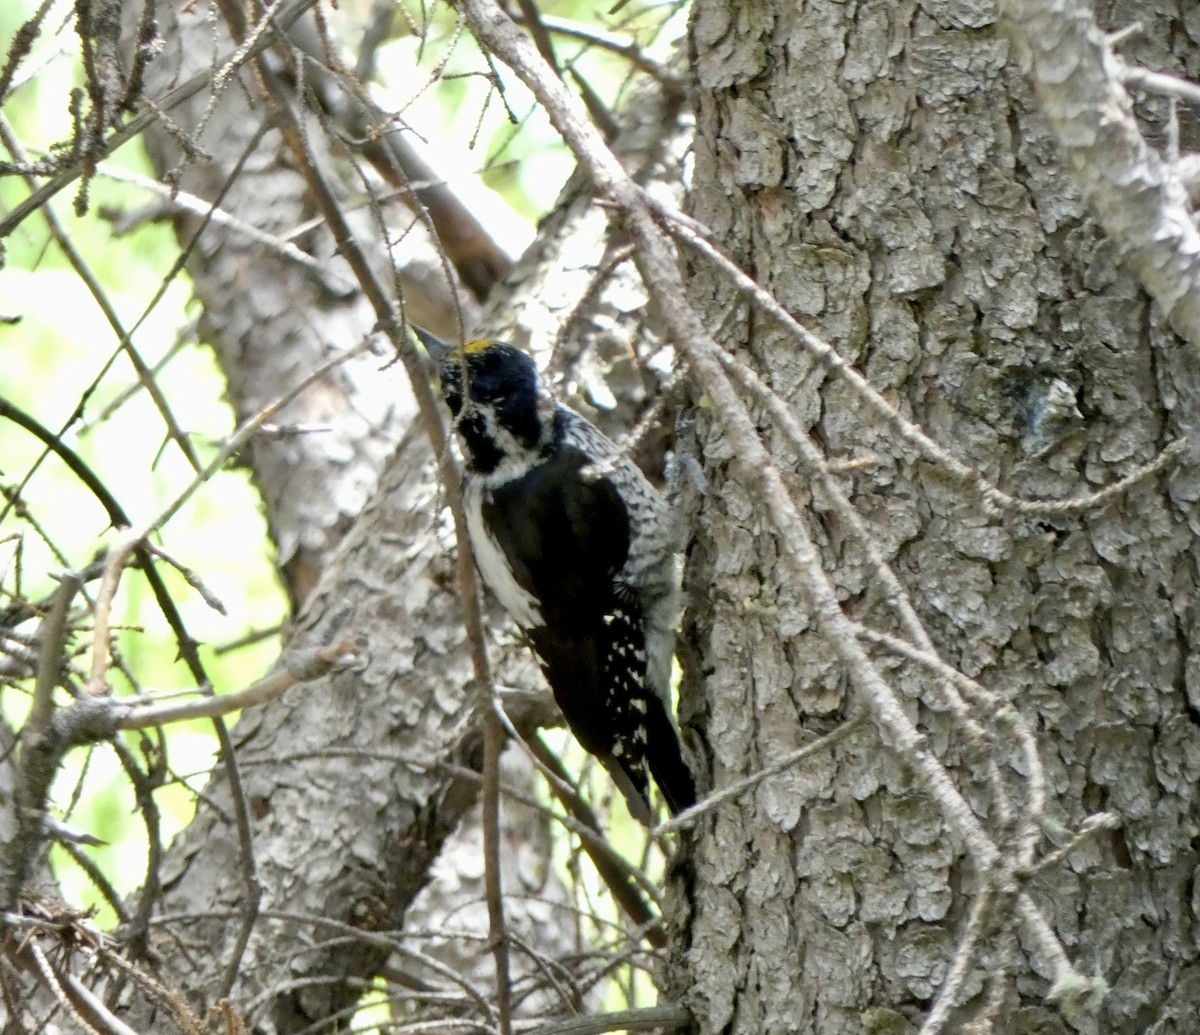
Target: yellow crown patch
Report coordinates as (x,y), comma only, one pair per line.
(473,348)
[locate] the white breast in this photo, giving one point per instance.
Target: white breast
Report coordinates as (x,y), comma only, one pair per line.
(497,575)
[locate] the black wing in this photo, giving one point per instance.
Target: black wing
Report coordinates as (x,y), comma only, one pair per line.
(566,539)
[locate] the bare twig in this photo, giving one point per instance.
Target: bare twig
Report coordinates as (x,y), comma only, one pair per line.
(296,670)
(118,556)
(664,1017)
(493,744)
(1160,82)
(54,983)
(625,46)
(81,993)
(1087,831)
(52,638)
(181,201)
(190,577)
(247,429)
(136,125)
(690,815)
(994,708)
(964,956)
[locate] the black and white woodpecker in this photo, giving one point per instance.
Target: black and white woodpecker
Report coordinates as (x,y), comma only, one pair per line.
(584,561)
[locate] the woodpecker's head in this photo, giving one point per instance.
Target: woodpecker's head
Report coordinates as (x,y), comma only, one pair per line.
(502,412)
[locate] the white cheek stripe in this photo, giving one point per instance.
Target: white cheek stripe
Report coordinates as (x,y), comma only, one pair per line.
(493,566)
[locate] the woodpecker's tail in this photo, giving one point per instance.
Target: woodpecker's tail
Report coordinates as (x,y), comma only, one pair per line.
(662,758)
(664,755)
(632,784)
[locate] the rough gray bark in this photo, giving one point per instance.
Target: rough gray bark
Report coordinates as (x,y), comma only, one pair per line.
(882,169)
(1136,194)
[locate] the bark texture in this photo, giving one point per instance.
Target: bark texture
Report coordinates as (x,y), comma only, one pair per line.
(883,170)
(1138,198)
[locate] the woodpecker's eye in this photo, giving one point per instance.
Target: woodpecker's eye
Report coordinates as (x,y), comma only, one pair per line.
(483,394)
(453,397)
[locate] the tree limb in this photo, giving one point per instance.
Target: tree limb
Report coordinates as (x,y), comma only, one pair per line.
(1136,196)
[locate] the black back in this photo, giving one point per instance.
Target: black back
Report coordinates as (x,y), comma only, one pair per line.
(566,539)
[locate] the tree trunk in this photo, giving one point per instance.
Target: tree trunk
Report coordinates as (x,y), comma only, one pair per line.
(883,171)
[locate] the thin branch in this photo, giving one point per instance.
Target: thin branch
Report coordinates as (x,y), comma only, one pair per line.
(175,200)
(52,638)
(626,46)
(493,744)
(22,43)
(98,878)
(1088,830)
(296,670)
(739,787)
(137,125)
(1160,82)
(665,1017)
(995,708)
(191,578)
(118,556)
(162,994)
(964,955)
(246,429)
(390,941)
(112,1023)
(52,981)
(994,500)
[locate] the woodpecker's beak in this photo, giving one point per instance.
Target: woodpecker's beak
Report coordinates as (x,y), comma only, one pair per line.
(438,349)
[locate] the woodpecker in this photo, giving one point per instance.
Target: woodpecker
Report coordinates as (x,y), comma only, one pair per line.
(584,561)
